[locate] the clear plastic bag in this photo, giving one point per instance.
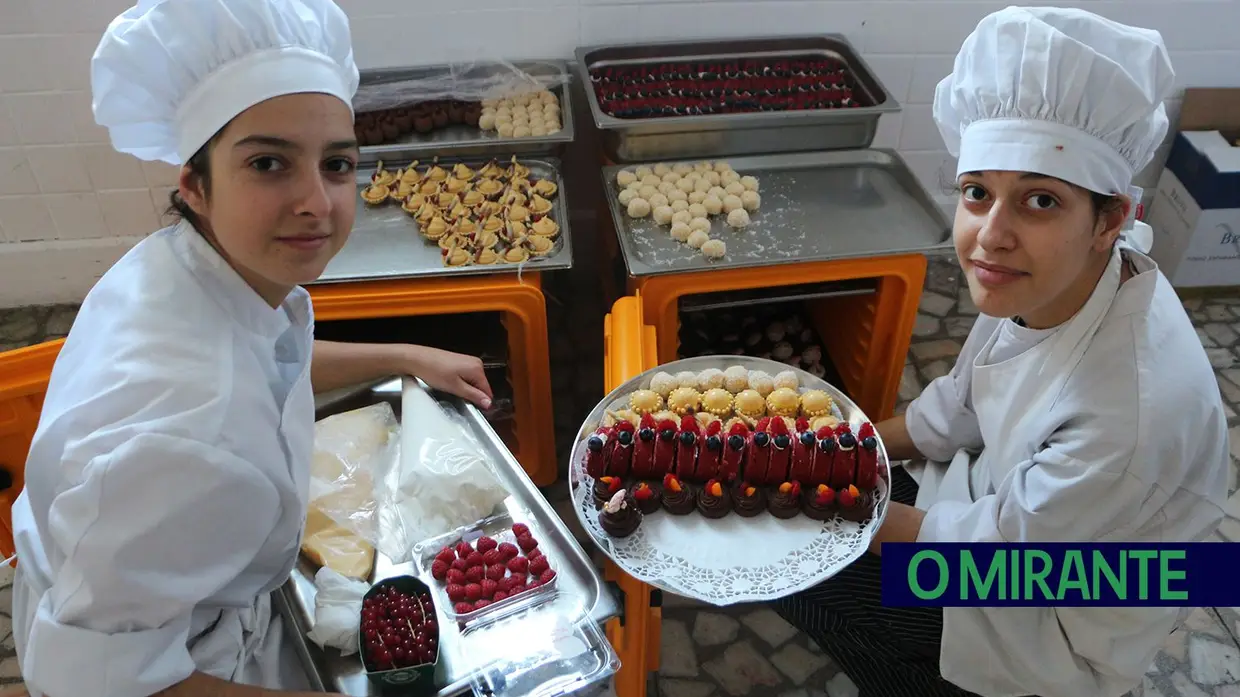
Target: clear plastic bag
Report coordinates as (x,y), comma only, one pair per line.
(442,483)
(468,81)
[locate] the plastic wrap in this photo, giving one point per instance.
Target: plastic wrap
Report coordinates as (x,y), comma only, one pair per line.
(471,81)
(443,481)
(337,611)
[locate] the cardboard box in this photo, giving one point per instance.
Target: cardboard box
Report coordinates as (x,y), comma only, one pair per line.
(1195,213)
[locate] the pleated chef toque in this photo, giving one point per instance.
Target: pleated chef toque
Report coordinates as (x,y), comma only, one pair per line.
(1060,92)
(169,74)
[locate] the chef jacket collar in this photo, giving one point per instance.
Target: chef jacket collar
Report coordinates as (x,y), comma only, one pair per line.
(228,287)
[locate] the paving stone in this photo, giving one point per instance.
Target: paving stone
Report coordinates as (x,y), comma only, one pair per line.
(842,686)
(943,276)
(933,350)
(910,384)
(712,629)
(798,663)
(1226,387)
(935,304)
(959,327)
(936,370)
(677,658)
(1217,313)
(1185,687)
(1221,357)
(1206,341)
(10,672)
(671,687)
(769,626)
(928,326)
(1213,662)
(1192,304)
(671,600)
(965,304)
(741,668)
(1221,333)
(61,319)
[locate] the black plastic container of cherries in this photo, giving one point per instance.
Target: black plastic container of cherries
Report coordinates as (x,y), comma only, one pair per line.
(399,637)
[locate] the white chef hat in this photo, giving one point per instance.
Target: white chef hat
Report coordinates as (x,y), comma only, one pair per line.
(169,74)
(1060,92)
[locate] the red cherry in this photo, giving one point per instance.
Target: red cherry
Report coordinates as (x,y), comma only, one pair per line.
(431,627)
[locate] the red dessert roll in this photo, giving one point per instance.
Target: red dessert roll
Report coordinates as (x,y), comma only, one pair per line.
(687,449)
(781,452)
(620,458)
(665,447)
(843,468)
(803,453)
(824,457)
(867,458)
(596,452)
(759,448)
(711,452)
(643,449)
(734,452)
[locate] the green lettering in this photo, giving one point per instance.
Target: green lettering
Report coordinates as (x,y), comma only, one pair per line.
(944,576)
(970,577)
(1038,576)
(1014,580)
(1143,557)
(1166,574)
(1072,575)
(1119,584)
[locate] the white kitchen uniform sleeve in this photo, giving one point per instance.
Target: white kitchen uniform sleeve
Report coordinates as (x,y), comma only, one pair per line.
(940,421)
(136,564)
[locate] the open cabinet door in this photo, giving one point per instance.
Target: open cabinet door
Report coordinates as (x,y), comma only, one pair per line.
(630,348)
(24,374)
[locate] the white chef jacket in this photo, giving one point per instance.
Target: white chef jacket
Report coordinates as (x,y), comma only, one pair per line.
(1108,428)
(166,485)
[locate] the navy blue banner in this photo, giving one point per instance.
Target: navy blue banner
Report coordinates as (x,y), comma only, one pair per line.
(1060,574)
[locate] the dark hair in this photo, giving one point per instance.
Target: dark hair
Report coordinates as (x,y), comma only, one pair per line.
(200,166)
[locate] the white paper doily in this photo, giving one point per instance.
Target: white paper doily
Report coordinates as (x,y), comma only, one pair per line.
(731,559)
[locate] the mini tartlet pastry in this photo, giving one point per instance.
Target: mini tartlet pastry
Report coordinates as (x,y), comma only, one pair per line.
(604,489)
(749,403)
(486,256)
(714,500)
(462,173)
(816,403)
(457,256)
(539,246)
(376,194)
(854,504)
(783,402)
(516,255)
(717,401)
(545,187)
(620,516)
(748,500)
(678,496)
(383,177)
(546,227)
(645,401)
(539,206)
(735,379)
(649,497)
(490,187)
(820,503)
(785,501)
(684,400)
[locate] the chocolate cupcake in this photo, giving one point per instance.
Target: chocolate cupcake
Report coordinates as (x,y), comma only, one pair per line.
(713,500)
(785,501)
(678,496)
(748,500)
(819,504)
(620,515)
(855,505)
(605,488)
(648,495)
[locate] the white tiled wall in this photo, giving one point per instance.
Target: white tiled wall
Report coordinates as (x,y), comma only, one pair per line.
(69,205)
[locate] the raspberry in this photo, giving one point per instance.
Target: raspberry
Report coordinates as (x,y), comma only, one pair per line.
(518,564)
(499,595)
(539,565)
(509,550)
(439,569)
(456,576)
(486,544)
(520,529)
(505,583)
(475,574)
(488,588)
(526,542)
(463,549)
(456,592)
(518,580)
(546,576)
(533,584)
(474,559)
(481,604)
(459,564)
(473,591)
(534,554)
(463,608)
(496,571)
(493,557)
(446,555)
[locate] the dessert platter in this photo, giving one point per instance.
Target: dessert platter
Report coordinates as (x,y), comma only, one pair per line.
(729,478)
(480,216)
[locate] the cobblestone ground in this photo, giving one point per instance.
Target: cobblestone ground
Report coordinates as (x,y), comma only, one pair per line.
(748,650)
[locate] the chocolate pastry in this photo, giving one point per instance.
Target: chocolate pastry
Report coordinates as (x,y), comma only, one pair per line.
(604,489)
(678,496)
(785,502)
(820,503)
(748,500)
(648,495)
(855,505)
(620,516)
(713,500)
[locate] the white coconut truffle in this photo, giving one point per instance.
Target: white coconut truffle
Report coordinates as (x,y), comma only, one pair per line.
(698,210)
(681,231)
(663,383)
(722,167)
(713,205)
(624,177)
(697,238)
(729,177)
(786,379)
(750,183)
(730,203)
(661,169)
(714,249)
(639,208)
(702,224)
(677,195)
(736,379)
(751,200)
(658,200)
(666,189)
(688,378)
(647,191)
(704,166)
(651,180)
(761,382)
(697,197)
(682,217)
(702,185)
(685,185)
(735,188)
(635,186)
(717,191)
(663,215)
(738,218)
(678,206)
(682,169)
(626,196)
(671,178)
(643,172)
(710,379)
(712,178)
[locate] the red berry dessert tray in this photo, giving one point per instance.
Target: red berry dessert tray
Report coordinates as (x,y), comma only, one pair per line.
(729,478)
(491,565)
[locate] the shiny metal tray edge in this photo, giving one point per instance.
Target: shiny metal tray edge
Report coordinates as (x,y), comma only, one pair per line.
(482,145)
(296,597)
(835,43)
(755,164)
(558,261)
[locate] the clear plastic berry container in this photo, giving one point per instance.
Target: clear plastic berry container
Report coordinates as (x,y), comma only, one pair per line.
(495,565)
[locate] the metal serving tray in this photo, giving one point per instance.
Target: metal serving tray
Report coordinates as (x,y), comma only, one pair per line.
(386,244)
(470,141)
(817,206)
(579,589)
(632,140)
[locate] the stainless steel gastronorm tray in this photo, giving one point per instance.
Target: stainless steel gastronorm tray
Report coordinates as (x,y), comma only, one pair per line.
(578,584)
(470,141)
(386,243)
(817,206)
(633,140)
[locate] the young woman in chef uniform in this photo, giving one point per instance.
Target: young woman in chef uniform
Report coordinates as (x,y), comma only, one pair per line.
(1082,406)
(166,485)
